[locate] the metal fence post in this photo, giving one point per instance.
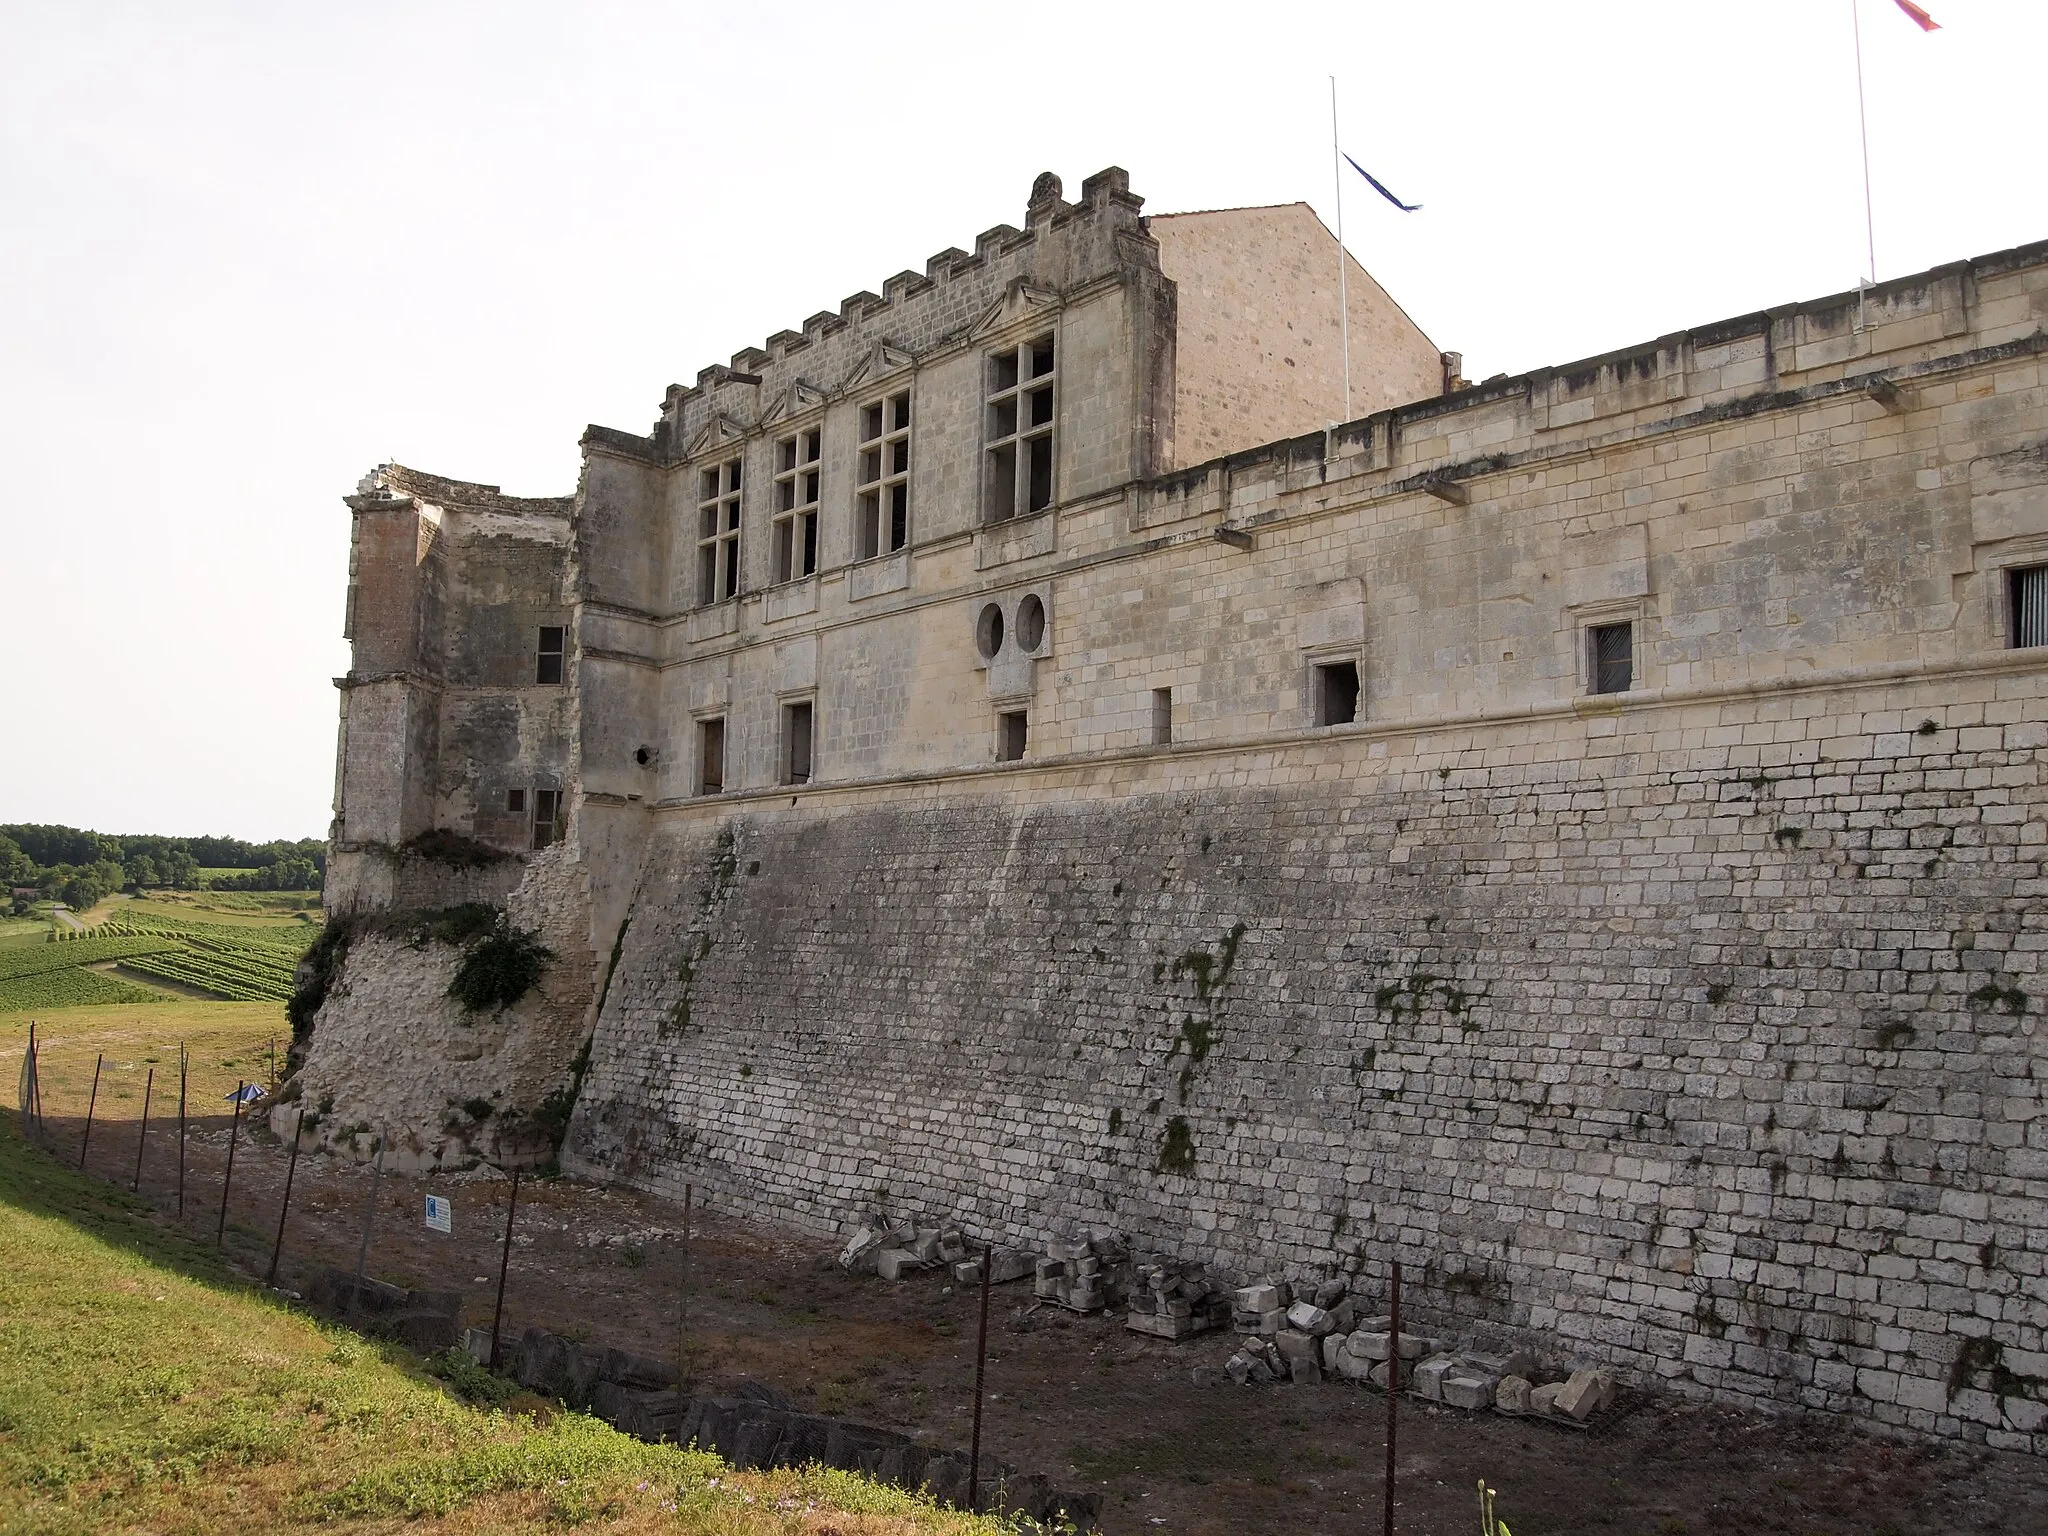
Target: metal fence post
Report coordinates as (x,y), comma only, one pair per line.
(142,1139)
(181,1129)
(1393,1394)
(369,1220)
(988,1265)
(91,1104)
(504,1267)
(291,1168)
(220,1236)
(683,1295)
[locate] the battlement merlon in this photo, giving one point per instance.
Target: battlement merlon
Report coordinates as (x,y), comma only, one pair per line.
(1061,245)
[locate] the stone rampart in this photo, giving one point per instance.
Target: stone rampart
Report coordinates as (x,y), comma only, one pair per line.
(1705,1036)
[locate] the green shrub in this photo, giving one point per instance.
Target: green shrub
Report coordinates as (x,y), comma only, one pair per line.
(497,970)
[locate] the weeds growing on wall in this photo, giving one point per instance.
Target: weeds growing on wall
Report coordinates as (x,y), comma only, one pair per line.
(499,969)
(551,1117)
(442,846)
(322,969)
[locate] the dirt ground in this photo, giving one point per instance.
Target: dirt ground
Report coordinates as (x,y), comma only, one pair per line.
(1144,1422)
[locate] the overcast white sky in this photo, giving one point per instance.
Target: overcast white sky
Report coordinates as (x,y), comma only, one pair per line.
(249,251)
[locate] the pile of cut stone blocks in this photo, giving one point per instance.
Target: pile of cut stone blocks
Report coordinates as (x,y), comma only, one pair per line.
(1084,1275)
(1305,1340)
(1169,1301)
(896,1249)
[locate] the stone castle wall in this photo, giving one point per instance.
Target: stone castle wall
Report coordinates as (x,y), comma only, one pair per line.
(1707,1037)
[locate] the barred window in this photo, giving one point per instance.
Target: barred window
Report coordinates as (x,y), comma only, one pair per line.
(882,520)
(2027,600)
(1611,657)
(796,505)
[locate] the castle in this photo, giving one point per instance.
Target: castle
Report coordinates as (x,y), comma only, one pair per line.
(1021,748)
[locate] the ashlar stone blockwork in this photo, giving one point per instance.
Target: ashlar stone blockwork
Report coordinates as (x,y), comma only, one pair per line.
(1726,1064)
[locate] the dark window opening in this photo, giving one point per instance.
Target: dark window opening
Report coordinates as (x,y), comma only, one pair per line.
(547,817)
(1041,475)
(1610,655)
(548,668)
(1337,693)
(1012,731)
(515,802)
(711,756)
(1162,716)
(796,743)
(2027,597)
(1002,483)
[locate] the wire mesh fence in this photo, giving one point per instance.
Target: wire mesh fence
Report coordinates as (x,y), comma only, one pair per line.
(1134,1392)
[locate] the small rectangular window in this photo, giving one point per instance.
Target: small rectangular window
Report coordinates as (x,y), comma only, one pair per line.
(882,470)
(1012,733)
(711,756)
(796,743)
(547,817)
(1018,469)
(1162,716)
(515,802)
(1337,693)
(1610,657)
(548,668)
(2027,599)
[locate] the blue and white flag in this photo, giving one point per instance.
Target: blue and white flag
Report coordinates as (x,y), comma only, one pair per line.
(1379,188)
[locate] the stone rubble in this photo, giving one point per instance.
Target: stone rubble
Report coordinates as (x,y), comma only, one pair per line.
(1298,1336)
(1307,1341)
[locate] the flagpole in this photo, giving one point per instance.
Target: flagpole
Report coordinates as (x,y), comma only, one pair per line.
(1863,132)
(1343,297)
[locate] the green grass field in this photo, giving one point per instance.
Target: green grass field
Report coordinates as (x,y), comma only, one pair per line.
(143,1387)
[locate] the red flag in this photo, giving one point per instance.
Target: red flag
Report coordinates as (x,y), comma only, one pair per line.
(1921,19)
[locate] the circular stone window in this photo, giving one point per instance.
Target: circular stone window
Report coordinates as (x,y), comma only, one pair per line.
(1030,623)
(988,631)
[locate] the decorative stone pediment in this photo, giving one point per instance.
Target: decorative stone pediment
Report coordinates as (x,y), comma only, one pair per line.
(1024,301)
(881,361)
(715,434)
(794,401)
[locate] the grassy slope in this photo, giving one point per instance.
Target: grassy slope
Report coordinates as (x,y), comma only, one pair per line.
(229,1042)
(144,1388)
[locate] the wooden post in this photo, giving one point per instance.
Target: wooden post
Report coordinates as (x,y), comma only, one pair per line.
(91,1104)
(988,1265)
(142,1140)
(504,1265)
(181,1129)
(220,1236)
(1393,1395)
(291,1167)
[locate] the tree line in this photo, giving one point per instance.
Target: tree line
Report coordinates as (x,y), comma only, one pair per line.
(80,867)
